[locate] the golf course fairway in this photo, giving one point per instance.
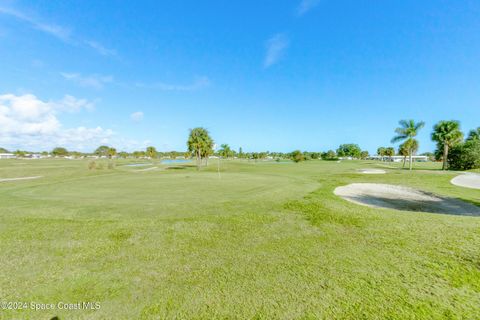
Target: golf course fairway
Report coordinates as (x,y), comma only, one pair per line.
(259,240)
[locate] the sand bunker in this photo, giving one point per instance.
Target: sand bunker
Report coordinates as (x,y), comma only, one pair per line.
(467,180)
(147,169)
(404,198)
(371,171)
(17,179)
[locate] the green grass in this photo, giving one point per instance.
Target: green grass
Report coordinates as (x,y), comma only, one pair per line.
(265,241)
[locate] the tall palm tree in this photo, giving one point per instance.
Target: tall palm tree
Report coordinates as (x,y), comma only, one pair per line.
(407,131)
(447,134)
(200,143)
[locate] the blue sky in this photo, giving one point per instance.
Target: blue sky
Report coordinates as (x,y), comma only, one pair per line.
(262,75)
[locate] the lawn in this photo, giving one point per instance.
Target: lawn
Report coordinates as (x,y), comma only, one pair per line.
(260,241)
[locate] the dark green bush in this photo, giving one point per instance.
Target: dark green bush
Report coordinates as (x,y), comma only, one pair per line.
(465,156)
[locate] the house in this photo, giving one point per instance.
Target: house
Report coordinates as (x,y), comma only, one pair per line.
(7,156)
(398,158)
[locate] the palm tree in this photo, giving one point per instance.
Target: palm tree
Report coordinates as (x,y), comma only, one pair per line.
(200,143)
(404,149)
(407,131)
(381,152)
(111,152)
(390,152)
(151,152)
(447,134)
(474,134)
(225,151)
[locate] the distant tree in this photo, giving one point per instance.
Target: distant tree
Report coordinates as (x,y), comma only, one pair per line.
(364,155)
(329,155)
(3,150)
(138,154)
(315,155)
(240,153)
(390,151)
(349,150)
(60,152)
(381,152)
(297,156)
(405,148)
(447,134)
(102,151)
(151,152)
(225,151)
(200,143)
(20,153)
(407,131)
(123,154)
(112,152)
(474,134)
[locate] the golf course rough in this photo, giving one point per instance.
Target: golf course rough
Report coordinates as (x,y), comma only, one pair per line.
(259,241)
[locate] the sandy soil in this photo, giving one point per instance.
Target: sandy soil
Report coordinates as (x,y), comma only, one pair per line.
(22,178)
(372,171)
(467,180)
(404,198)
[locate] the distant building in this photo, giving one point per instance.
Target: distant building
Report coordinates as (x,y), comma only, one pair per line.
(7,156)
(399,158)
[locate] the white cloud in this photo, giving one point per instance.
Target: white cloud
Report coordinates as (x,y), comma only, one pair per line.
(276,47)
(59,32)
(94,81)
(26,122)
(101,49)
(198,83)
(306,5)
(72,104)
(137,116)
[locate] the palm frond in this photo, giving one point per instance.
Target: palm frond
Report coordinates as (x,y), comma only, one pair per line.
(399,138)
(419,125)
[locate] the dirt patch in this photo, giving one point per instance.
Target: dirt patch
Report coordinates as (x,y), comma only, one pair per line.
(467,180)
(371,171)
(404,198)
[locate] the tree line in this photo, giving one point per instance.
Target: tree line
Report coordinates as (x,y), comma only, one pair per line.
(455,152)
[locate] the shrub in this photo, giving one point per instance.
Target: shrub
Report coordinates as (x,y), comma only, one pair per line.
(329,155)
(297,156)
(465,156)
